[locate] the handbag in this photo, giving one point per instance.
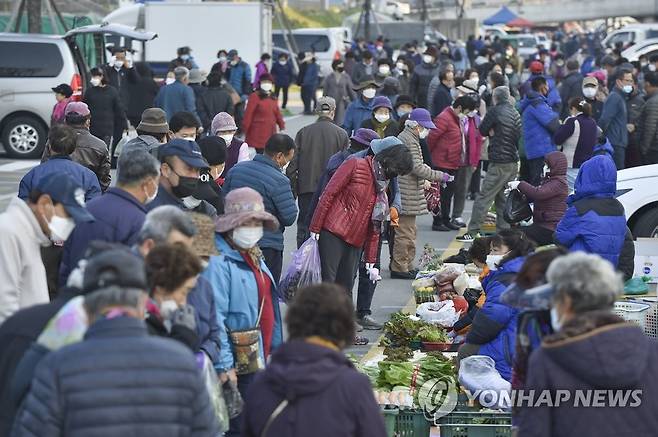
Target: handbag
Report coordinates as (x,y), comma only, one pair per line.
(517,207)
(246,348)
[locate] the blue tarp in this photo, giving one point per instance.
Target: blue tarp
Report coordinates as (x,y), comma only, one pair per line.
(503,16)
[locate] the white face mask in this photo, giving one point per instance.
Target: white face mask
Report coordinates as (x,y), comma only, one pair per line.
(222,59)
(150,199)
(167,308)
(509,71)
(191,202)
(428,59)
(400,66)
(267,87)
(423,133)
(170,80)
(118,64)
(95,81)
(60,228)
(589,92)
(382,117)
(384,69)
(402,112)
(228,138)
(369,93)
(246,237)
(652,67)
(283,62)
(556,323)
(493,261)
(627,89)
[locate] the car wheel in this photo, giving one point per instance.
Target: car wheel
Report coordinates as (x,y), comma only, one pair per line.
(24,137)
(647,225)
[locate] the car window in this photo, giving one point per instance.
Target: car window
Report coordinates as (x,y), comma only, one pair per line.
(29,59)
(651,33)
(305,43)
(527,42)
(621,37)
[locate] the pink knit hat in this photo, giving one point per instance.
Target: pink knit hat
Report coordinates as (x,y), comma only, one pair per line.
(222,122)
(242,205)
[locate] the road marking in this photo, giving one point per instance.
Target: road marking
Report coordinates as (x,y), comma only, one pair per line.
(18,165)
(7,196)
(410,307)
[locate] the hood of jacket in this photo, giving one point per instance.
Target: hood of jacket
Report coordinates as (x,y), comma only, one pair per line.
(580,344)
(532,98)
(557,163)
(597,178)
(300,369)
(511,266)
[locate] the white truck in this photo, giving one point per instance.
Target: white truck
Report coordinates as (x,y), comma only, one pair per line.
(205,27)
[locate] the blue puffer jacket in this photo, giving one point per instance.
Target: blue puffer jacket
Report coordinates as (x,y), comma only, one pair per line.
(539,123)
(202,299)
(494,325)
(118,381)
(119,218)
(239,76)
(84,177)
(595,221)
(357,112)
(236,298)
(553,99)
(263,175)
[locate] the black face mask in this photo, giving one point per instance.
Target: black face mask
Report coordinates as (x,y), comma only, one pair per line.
(340,69)
(186,185)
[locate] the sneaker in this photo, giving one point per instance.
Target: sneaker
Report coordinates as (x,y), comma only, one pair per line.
(360,341)
(468,237)
(441,227)
(359,328)
(402,275)
(458,221)
(452,226)
(369,323)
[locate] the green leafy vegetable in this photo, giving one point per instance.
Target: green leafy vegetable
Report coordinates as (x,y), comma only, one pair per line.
(433,334)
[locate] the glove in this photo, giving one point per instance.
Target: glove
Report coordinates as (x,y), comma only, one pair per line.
(482,89)
(395,217)
(184,316)
(315,236)
(373,272)
(513,185)
(427,185)
(129,61)
(447,178)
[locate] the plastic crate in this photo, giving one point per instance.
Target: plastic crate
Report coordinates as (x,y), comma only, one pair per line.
(635,312)
(476,424)
(406,423)
(651,319)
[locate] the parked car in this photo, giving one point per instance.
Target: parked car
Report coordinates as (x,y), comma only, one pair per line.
(647,47)
(636,191)
(633,33)
(30,66)
(524,43)
(327,44)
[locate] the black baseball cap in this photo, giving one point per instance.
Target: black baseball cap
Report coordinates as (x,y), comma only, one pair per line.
(63,189)
(186,150)
(115,267)
(63,89)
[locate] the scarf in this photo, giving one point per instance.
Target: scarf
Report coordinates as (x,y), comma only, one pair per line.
(381,210)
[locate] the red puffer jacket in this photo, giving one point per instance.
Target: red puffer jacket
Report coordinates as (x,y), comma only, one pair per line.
(446,142)
(260,119)
(345,207)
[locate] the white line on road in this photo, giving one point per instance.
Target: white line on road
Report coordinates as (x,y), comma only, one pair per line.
(7,196)
(18,165)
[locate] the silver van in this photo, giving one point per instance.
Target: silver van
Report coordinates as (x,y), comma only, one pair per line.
(31,65)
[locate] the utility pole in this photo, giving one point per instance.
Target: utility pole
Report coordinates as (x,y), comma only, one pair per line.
(367,7)
(34,16)
(423,11)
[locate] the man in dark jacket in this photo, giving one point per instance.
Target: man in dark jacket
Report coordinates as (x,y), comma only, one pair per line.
(90,151)
(595,221)
(283,74)
(314,145)
(177,96)
(442,98)
(216,99)
(648,126)
(502,125)
(119,212)
(152,131)
(167,377)
(422,76)
(264,175)
(119,73)
(570,87)
(614,118)
(364,70)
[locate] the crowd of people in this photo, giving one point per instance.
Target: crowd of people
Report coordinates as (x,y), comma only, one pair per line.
(119,290)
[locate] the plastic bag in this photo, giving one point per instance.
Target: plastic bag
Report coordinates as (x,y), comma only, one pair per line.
(215,393)
(478,372)
(233,399)
(517,208)
(304,269)
(461,283)
(127,136)
(447,275)
(438,313)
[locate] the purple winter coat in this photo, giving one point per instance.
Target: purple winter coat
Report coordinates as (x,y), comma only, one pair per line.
(327,396)
(549,198)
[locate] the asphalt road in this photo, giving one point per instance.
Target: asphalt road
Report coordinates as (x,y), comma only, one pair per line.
(391,295)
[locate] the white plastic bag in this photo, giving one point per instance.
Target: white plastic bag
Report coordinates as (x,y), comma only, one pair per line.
(439,313)
(478,373)
(461,284)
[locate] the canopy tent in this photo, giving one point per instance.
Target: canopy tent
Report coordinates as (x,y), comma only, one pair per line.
(520,22)
(503,16)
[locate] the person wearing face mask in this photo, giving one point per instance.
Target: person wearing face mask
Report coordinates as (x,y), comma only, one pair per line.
(383,70)
(382,121)
(223,125)
(183,59)
(590,90)
(213,149)
(119,213)
(648,123)
(152,131)
(422,76)
(50,212)
(245,291)
(177,96)
(493,331)
(265,175)
(216,99)
(634,105)
(63,93)
(512,79)
(558,70)
(365,69)
(108,115)
(181,163)
(403,106)
(552,96)
(360,109)
(262,67)
(171,273)
(413,202)
(338,86)
(442,97)
(582,290)
(614,116)
(579,133)
(262,115)
(571,86)
(221,66)
(402,72)
(308,81)
(123,76)
(284,75)
(239,75)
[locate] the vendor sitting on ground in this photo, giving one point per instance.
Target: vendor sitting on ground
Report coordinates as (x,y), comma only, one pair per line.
(493,331)
(478,254)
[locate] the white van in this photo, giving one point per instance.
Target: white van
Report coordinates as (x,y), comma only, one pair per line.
(633,33)
(327,44)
